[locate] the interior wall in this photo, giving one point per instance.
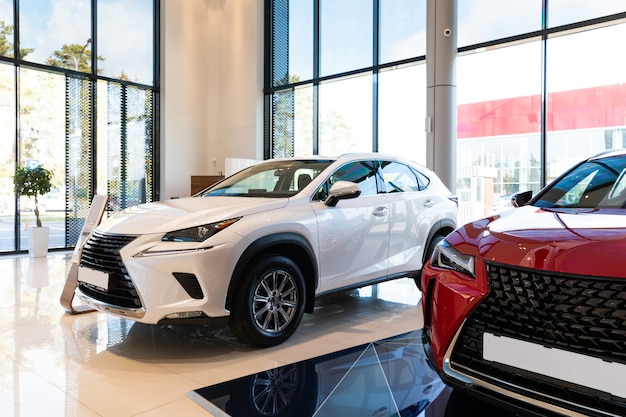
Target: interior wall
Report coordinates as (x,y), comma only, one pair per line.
(211,88)
(243,79)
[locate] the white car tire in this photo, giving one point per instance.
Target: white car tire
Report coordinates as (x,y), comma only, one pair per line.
(269,304)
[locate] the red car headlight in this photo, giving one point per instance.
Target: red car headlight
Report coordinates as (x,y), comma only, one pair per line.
(448,257)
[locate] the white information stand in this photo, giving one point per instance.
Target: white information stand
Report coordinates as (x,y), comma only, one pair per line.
(98,206)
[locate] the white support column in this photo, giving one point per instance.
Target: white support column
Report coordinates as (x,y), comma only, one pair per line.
(441,109)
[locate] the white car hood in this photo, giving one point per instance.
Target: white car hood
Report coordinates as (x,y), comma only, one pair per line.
(165,216)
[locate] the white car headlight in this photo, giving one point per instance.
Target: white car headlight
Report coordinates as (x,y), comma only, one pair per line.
(446,256)
(198,233)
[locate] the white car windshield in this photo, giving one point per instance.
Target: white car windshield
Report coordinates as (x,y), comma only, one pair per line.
(273,179)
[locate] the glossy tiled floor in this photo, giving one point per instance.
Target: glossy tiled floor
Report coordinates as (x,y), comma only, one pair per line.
(55,364)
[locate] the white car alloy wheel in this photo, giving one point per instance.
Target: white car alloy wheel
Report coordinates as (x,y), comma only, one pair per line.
(269,305)
(275,301)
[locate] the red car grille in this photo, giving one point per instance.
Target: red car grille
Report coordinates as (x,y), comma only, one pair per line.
(582,314)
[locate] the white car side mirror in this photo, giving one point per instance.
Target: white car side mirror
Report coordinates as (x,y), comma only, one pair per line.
(342,190)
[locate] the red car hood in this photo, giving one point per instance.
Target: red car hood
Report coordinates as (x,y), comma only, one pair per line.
(573,241)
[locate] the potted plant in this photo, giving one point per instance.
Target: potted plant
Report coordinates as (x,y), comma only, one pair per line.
(34,182)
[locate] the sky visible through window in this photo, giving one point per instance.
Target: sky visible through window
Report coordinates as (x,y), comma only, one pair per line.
(403,24)
(124,33)
(478,21)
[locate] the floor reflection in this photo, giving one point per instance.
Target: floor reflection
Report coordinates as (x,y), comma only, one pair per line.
(391,377)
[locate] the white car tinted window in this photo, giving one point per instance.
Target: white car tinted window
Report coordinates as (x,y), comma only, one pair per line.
(276,178)
(398,178)
(361,173)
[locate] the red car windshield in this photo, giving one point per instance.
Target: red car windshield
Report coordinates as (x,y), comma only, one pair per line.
(599,183)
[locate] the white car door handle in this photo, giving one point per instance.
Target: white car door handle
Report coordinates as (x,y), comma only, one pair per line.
(380,211)
(429,203)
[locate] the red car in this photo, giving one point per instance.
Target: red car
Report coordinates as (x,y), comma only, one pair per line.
(528,306)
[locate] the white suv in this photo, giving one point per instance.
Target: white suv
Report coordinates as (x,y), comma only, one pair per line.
(257,249)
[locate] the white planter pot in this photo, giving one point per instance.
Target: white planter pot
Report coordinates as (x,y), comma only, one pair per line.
(38,241)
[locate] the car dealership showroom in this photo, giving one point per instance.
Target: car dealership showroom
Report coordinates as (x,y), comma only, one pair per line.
(329,208)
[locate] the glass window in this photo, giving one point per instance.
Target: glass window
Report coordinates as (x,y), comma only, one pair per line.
(102,161)
(138,145)
(345,35)
(7,157)
(488,20)
(55,125)
(499,124)
(398,178)
(499,94)
(283,123)
(78,156)
(130,113)
(273,179)
(124,60)
(402,29)
(591,184)
(346,116)
(586,97)
(303,121)
(402,111)
(42,142)
(562,12)
(6,28)
(334,112)
(56,33)
(300,40)
(422,180)
(362,173)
